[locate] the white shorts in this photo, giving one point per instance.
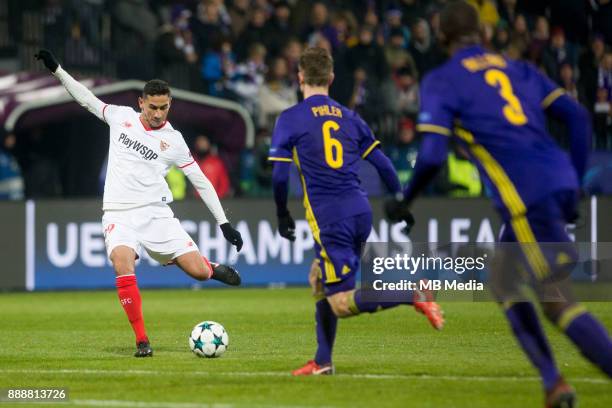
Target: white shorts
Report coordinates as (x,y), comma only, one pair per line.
(152,227)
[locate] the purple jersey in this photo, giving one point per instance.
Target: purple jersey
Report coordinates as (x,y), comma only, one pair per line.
(496,106)
(326,141)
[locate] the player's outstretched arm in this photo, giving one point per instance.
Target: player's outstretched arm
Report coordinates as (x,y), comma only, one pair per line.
(578,123)
(280,185)
(385,170)
(211,199)
(78,91)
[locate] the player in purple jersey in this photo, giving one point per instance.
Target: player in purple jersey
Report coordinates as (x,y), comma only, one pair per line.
(496,108)
(327,143)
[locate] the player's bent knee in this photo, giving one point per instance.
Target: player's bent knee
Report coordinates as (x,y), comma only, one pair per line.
(123,258)
(194,265)
(339,303)
(554,310)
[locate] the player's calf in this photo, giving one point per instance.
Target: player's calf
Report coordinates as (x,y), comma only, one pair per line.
(340,304)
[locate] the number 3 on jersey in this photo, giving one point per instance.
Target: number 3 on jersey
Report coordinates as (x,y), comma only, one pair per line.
(513,111)
(332,147)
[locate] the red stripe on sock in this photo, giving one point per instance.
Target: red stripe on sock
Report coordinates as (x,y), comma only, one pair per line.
(129,296)
(209,267)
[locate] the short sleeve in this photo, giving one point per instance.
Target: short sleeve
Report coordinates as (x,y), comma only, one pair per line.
(114,113)
(182,157)
(281,146)
(367,140)
(439,106)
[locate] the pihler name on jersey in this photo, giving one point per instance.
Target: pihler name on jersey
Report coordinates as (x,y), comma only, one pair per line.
(143,150)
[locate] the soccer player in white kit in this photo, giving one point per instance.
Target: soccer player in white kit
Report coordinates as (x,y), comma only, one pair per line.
(142,148)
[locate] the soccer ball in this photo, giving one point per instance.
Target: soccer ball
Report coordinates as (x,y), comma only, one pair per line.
(208,339)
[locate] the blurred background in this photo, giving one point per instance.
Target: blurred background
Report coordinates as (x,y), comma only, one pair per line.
(233,68)
(246,51)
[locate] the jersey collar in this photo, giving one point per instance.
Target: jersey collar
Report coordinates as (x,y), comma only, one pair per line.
(149,128)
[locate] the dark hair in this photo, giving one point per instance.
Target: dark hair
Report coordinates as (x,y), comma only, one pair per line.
(459,22)
(317,66)
(156,87)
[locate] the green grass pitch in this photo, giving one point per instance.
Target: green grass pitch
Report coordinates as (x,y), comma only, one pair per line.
(82,340)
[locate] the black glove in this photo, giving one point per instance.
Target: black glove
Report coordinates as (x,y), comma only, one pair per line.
(48,59)
(397,210)
(232,235)
(286,227)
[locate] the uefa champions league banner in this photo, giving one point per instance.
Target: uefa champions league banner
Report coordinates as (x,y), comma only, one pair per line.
(65,245)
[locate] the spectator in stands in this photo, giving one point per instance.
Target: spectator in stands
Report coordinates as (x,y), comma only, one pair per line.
(589,68)
(175,52)
(604,74)
(208,26)
(248,79)
(255,33)
(404,151)
(393,25)
(78,52)
(508,11)
(501,38)
(211,164)
(218,65)
(603,119)
(239,16)
(55,25)
(539,41)
(11,182)
(369,56)
(344,28)
(422,49)
(134,34)
(291,54)
(406,97)
(318,23)
(520,38)
(568,82)
(556,53)
(277,94)
(278,29)
(396,55)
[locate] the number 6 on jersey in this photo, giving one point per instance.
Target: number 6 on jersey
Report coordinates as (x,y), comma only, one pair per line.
(332,147)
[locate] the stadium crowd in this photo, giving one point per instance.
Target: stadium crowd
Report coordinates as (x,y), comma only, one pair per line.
(247,51)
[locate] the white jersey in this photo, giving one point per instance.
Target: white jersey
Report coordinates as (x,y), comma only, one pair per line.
(139,159)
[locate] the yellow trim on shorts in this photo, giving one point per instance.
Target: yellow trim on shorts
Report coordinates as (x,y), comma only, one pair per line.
(280,159)
(330,271)
(513,202)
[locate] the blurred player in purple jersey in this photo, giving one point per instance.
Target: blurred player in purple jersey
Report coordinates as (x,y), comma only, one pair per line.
(327,142)
(497,108)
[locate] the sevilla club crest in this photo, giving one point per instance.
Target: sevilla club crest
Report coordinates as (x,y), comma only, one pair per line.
(163,145)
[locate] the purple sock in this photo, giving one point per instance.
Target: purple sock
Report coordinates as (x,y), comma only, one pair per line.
(528,331)
(589,336)
(361,306)
(326,331)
